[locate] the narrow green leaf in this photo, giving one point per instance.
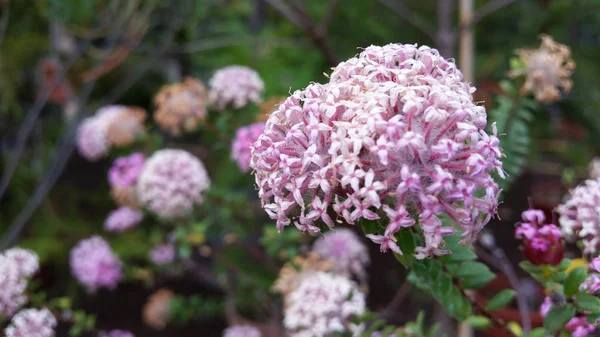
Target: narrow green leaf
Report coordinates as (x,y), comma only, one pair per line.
(461,254)
(585,302)
(557,317)
(500,300)
(478,322)
(592,318)
(529,267)
(574,280)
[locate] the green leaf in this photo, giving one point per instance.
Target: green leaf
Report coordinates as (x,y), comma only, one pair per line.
(585,302)
(529,267)
(469,269)
(484,276)
(500,300)
(592,318)
(557,317)
(407,242)
(574,280)
(478,322)
(539,332)
(459,254)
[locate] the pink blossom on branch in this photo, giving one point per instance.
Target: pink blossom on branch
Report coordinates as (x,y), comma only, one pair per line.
(394,136)
(541,242)
(580,215)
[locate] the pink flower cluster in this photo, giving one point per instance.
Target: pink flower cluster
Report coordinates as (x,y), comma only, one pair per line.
(16,266)
(236,86)
(322,305)
(95,265)
(579,326)
(163,254)
(541,241)
(125,171)
(94,134)
(394,135)
(244,138)
(592,284)
(32,323)
(241,331)
(172,182)
(119,333)
(344,248)
(123,219)
(580,215)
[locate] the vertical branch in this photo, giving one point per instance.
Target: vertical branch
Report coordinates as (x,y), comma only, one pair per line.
(299,17)
(445,37)
(466,40)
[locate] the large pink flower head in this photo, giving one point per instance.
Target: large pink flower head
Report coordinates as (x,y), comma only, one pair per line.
(244,138)
(32,323)
(95,265)
(172,182)
(241,331)
(26,261)
(393,136)
(580,215)
(236,86)
(125,171)
(322,305)
(344,248)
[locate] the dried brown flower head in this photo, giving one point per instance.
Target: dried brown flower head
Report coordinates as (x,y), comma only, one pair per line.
(126,126)
(292,273)
(125,197)
(157,309)
(181,106)
(548,70)
(269,106)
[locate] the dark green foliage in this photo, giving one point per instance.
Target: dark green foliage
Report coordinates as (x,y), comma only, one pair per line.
(195,308)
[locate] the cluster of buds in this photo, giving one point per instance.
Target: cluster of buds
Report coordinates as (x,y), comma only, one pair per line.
(95,265)
(235,86)
(541,242)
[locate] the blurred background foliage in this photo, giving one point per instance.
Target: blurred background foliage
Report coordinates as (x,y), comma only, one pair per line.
(165,40)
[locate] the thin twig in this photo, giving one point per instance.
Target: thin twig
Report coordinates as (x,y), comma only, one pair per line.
(407,15)
(489,8)
(326,19)
(4,20)
(498,259)
(396,300)
(29,121)
(299,17)
(68,140)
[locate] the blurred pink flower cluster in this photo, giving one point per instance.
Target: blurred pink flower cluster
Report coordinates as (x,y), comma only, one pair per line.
(235,85)
(580,215)
(95,265)
(116,125)
(123,219)
(241,331)
(394,135)
(542,243)
(32,323)
(323,304)
(171,183)
(244,138)
(345,250)
(126,170)
(16,267)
